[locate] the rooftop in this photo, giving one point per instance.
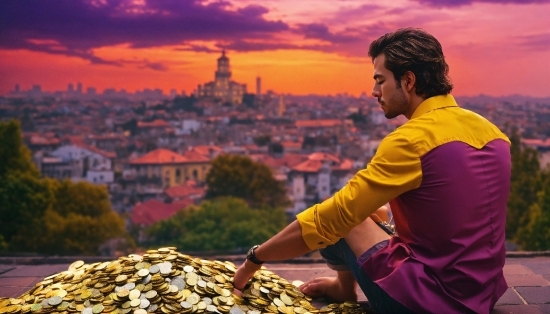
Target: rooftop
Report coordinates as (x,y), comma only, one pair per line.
(527,274)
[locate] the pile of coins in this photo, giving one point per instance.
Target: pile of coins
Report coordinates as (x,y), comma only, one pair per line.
(163,281)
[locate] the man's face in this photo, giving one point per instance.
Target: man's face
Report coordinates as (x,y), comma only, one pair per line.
(391,97)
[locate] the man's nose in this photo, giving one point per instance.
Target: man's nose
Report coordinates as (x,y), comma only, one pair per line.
(375,92)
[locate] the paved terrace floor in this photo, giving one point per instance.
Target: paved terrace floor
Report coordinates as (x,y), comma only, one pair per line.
(528,277)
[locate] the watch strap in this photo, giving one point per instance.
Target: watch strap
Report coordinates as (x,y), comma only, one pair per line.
(251,256)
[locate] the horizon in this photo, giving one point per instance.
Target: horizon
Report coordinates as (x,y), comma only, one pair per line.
(489,45)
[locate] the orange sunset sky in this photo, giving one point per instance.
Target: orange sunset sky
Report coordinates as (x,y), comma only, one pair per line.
(493,47)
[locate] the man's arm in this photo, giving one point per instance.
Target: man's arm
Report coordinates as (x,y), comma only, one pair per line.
(286,244)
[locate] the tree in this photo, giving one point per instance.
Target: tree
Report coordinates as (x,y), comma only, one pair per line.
(524,186)
(240,176)
(24,200)
(535,235)
(14,156)
(80,219)
(224,224)
(46,215)
(276,148)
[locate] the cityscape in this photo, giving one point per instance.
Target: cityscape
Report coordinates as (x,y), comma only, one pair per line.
(153,150)
(148,148)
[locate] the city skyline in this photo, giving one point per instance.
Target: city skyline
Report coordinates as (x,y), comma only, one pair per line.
(492,47)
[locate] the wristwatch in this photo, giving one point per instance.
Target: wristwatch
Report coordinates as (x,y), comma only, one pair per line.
(252,257)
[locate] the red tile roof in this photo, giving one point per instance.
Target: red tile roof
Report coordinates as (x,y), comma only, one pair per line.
(193,156)
(289,144)
(323,156)
(159,156)
(158,123)
(39,140)
(318,123)
(110,136)
(309,166)
(185,191)
(73,139)
(152,211)
(164,156)
(536,142)
(315,162)
(206,150)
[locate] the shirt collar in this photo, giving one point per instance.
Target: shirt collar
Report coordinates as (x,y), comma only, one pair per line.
(435,102)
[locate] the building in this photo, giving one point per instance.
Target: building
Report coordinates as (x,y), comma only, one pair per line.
(79,162)
(222,88)
(163,168)
(317,178)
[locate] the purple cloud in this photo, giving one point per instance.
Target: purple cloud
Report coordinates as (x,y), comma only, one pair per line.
(536,41)
(78,26)
(246,45)
(455,3)
(321,31)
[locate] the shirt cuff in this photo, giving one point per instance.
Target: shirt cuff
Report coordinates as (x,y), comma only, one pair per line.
(311,237)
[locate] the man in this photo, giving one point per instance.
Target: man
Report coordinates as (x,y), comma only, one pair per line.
(446,174)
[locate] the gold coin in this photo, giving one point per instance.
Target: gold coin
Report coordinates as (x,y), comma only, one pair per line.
(98,308)
(76,265)
(163,281)
(134,294)
(135,303)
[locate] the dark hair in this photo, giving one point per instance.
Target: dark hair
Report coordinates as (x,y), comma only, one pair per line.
(413,49)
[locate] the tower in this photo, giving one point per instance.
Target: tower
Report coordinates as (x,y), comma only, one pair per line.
(258,87)
(222,88)
(223,74)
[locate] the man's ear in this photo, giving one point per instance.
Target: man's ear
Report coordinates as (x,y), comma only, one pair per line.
(408,81)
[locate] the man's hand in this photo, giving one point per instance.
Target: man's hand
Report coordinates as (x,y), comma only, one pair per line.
(243,274)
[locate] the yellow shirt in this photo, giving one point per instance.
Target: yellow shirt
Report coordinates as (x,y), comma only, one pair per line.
(395,169)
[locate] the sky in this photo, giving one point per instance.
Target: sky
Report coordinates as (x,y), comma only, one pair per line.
(493,47)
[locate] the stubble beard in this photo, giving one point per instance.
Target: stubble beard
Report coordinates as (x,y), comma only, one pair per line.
(396,104)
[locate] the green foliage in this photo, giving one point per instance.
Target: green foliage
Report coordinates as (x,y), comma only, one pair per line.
(222,225)
(3,244)
(240,176)
(535,235)
(24,200)
(46,215)
(14,156)
(80,219)
(524,185)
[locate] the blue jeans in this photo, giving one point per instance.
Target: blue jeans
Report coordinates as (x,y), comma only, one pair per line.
(340,257)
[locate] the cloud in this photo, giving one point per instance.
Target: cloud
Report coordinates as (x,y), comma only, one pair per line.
(539,41)
(79,26)
(321,32)
(455,3)
(247,45)
(146,64)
